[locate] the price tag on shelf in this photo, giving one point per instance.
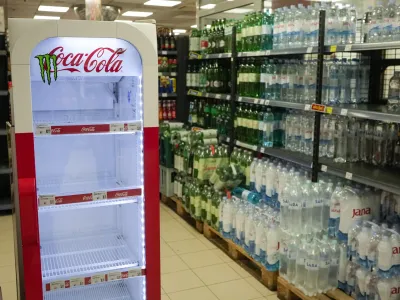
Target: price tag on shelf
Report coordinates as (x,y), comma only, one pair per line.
(309,49)
(262,102)
(164,95)
(206,95)
(173,73)
(256,101)
(324,168)
(240,99)
(343,112)
(333,48)
(262,149)
(348,175)
(329,110)
(117,127)
(98,278)
(266,102)
(347,48)
(218,96)
(135,272)
(45,200)
(159,74)
(254,147)
(42,130)
(99,196)
(114,276)
(307,107)
(164,52)
(77,282)
(220,55)
(134,127)
(268,52)
(57,285)
(228,97)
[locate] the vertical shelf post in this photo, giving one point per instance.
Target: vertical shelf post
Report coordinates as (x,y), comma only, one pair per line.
(233,90)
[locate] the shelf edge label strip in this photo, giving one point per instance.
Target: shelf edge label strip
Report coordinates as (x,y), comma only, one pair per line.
(87,129)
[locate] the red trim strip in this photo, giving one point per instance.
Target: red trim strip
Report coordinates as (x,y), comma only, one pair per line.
(152,213)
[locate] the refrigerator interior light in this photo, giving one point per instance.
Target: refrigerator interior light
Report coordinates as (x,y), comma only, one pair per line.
(179,30)
(37,17)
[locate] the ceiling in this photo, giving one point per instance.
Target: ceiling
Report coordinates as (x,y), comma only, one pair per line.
(180,16)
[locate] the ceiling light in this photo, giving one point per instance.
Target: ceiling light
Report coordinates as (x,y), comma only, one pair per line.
(238,11)
(132,13)
(46,17)
(177,33)
(193,26)
(208,26)
(123,21)
(179,30)
(61,9)
(165,3)
(208,6)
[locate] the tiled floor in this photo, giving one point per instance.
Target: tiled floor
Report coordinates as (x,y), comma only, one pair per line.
(191,267)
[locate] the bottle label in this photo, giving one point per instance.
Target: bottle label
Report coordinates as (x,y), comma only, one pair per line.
(311,265)
(257,30)
(264,77)
(252,77)
(260,125)
(255,124)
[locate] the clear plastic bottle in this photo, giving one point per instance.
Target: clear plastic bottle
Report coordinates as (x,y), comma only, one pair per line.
(326,196)
(314,25)
(300,264)
(272,262)
(344,83)
(276,29)
(372,246)
(341,140)
(283,42)
(332,26)
(285,202)
(324,265)
(334,82)
(360,289)
(290,28)
(363,239)
(249,230)
(253,174)
(259,175)
(334,211)
(334,264)
(353,140)
(384,256)
(292,256)
(295,223)
(283,253)
(307,209)
(389,17)
(376,23)
(226,214)
(268,138)
(342,266)
(318,205)
(312,268)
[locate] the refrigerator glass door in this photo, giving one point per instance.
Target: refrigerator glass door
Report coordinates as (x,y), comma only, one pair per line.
(88,120)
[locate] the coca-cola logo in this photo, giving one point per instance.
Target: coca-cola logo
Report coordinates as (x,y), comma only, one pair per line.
(88,129)
(358,212)
(55,130)
(121,194)
(101,59)
(59,200)
(87,198)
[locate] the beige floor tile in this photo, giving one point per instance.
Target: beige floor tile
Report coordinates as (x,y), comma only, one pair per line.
(272,297)
(206,242)
(201,259)
(234,290)
(259,286)
(172,232)
(222,255)
(242,272)
(165,297)
(172,264)
(179,281)
(165,250)
(7,274)
(202,293)
(9,290)
(7,259)
(6,236)
(187,246)
(165,216)
(6,223)
(216,274)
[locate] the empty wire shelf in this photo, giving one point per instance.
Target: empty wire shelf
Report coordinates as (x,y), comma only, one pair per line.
(108,291)
(80,256)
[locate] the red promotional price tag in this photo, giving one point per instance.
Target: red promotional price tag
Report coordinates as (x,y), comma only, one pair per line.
(318,107)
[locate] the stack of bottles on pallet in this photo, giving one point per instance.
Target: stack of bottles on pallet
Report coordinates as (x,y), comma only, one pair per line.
(342,139)
(369,261)
(383,25)
(345,81)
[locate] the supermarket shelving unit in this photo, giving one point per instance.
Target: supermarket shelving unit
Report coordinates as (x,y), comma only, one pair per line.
(385,178)
(5,168)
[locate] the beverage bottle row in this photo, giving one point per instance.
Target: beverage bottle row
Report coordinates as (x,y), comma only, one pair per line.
(259,125)
(340,24)
(166,110)
(210,113)
(166,64)
(206,159)
(166,84)
(210,76)
(383,23)
(251,225)
(165,39)
(210,40)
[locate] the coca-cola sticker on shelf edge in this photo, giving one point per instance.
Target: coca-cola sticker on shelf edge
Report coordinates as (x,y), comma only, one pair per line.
(56,58)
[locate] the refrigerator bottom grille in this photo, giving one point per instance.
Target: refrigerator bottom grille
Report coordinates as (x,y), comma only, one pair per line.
(108,291)
(82,256)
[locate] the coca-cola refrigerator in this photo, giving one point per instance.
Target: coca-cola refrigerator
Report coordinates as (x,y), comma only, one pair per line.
(85,157)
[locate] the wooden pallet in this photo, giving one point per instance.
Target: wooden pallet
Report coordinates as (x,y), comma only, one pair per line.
(177,206)
(287,291)
(237,253)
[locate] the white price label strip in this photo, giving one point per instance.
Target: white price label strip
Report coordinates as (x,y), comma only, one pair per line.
(99,196)
(266,102)
(240,99)
(77,282)
(57,285)
(262,150)
(218,96)
(117,127)
(256,101)
(43,130)
(307,107)
(268,52)
(135,272)
(45,200)
(309,49)
(324,168)
(349,175)
(343,112)
(133,127)
(98,278)
(347,48)
(207,95)
(262,102)
(164,95)
(114,276)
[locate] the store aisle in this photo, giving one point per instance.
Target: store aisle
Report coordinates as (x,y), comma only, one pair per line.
(193,268)
(7,263)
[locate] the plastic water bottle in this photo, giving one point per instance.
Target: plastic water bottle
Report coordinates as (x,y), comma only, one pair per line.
(300,264)
(300,82)
(290,31)
(341,140)
(249,230)
(226,214)
(260,237)
(334,264)
(353,232)
(360,290)
(283,29)
(333,82)
(314,25)
(389,15)
(353,140)
(239,223)
(324,265)
(295,203)
(264,171)
(270,183)
(312,268)
(291,81)
(355,76)
(342,266)
(384,256)
(376,23)
(259,171)
(326,196)
(351,277)
(372,246)
(268,138)
(307,208)
(347,33)
(334,211)
(276,29)
(344,83)
(363,239)
(285,203)
(318,205)
(332,26)
(292,256)
(272,261)
(297,35)
(395,241)
(253,174)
